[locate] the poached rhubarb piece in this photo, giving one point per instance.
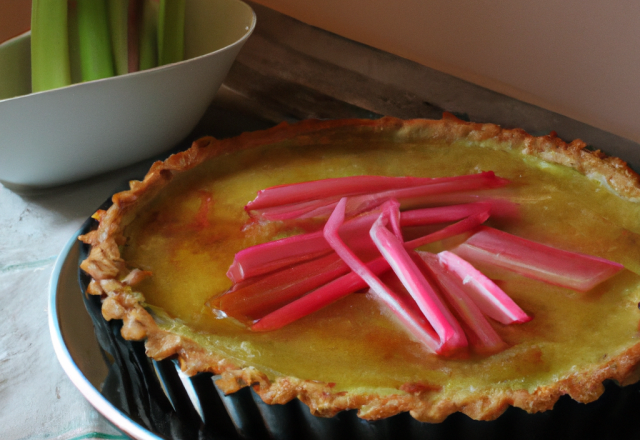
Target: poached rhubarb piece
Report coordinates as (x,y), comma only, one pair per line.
(277,254)
(319,298)
(351,282)
(490,298)
(337,187)
(254,298)
(446,337)
(420,193)
(538,261)
(483,336)
(450,334)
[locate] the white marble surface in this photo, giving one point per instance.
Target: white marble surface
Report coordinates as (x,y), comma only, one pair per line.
(37,400)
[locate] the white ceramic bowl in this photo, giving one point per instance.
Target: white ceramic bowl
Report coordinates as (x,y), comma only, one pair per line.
(62,135)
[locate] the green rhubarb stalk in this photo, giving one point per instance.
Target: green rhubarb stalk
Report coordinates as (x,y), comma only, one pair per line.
(96,60)
(148,41)
(118,25)
(74,43)
(49,45)
(171,31)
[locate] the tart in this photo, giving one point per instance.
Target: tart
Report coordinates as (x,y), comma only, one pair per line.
(160,255)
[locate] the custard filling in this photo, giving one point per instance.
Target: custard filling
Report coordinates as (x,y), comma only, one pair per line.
(188,236)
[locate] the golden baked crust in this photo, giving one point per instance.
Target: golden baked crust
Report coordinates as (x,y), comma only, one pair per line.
(112,278)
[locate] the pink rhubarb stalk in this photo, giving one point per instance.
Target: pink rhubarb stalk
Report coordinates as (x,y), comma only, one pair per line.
(351,282)
(255,298)
(409,197)
(416,196)
(490,298)
(300,210)
(460,227)
(268,257)
(423,333)
(538,261)
(274,255)
(325,188)
(441,214)
(319,298)
(393,250)
(486,339)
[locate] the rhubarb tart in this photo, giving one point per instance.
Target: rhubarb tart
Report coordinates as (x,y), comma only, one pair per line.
(386,266)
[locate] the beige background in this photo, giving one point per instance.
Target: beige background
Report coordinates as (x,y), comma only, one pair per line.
(580,58)
(14,17)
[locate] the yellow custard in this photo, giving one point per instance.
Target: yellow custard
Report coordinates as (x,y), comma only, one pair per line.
(188,234)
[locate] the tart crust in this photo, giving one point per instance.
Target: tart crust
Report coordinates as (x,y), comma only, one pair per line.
(112,279)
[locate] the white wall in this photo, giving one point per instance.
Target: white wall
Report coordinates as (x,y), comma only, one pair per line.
(580,58)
